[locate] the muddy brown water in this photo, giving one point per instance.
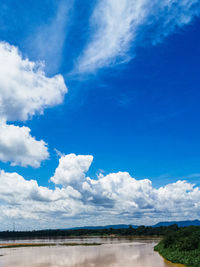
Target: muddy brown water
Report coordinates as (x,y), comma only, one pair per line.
(114,252)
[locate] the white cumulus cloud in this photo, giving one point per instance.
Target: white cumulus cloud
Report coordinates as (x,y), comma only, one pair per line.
(24,92)
(24,88)
(19,147)
(117,25)
(107,199)
(71,169)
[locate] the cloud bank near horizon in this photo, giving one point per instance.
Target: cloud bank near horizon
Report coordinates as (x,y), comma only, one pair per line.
(118,27)
(112,198)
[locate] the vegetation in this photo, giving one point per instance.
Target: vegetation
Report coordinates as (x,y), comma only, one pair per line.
(80,244)
(16,245)
(139,231)
(181,246)
(20,245)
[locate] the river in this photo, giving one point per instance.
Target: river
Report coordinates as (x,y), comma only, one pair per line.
(113,252)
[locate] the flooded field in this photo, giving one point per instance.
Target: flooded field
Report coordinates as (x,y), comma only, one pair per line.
(113,252)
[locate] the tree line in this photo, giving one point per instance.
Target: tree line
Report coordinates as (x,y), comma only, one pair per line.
(181,246)
(130,231)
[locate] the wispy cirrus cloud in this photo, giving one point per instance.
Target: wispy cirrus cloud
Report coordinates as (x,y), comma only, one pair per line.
(117,27)
(47,42)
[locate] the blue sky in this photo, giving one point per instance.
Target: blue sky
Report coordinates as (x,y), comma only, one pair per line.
(124,89)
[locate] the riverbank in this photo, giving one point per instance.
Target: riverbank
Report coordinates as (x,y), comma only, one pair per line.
(181,247)
(23,245)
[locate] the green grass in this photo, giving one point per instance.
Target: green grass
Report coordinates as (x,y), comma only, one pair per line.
(26,245)
(48,245)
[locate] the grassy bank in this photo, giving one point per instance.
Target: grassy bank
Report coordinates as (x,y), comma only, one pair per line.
(181,246)
(22,245)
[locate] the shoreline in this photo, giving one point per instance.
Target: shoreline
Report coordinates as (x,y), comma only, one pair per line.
(84,236)
(22,245)
(168,261)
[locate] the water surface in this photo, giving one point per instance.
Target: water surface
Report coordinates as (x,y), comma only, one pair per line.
(114,252)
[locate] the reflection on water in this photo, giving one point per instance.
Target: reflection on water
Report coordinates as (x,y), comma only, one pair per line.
(119,253)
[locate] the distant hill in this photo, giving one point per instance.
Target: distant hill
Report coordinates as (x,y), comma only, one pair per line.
(125,226)
(117,226)
(179,223)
